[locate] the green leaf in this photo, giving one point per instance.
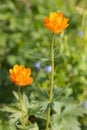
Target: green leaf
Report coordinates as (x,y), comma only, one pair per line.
(40,55)
(25,102)
(30,127)
(57,93)
(16,95)
(10,109)
(66,116)
(33,127)
(43,94)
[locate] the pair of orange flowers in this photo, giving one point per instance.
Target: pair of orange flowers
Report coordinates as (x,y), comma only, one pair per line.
(56,23)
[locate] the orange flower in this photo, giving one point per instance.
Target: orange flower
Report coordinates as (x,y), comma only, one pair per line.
(20,75)
(56,22)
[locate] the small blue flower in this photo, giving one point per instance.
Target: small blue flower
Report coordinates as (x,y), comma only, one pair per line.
(84,104)
(48,69)
(37,65)
(80,33)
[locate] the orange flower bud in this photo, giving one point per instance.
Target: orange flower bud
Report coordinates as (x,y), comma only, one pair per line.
(56,22)
(20,75)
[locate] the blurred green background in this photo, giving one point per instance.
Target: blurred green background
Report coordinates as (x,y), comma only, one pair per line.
(25,41)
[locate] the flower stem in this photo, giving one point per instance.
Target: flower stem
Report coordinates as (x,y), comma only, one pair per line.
(52,83)
(21,107)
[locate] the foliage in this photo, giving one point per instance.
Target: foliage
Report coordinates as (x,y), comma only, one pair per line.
(64,110)
(24,40)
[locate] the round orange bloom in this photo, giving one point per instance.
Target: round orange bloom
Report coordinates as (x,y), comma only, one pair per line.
(20,75)
(56,22)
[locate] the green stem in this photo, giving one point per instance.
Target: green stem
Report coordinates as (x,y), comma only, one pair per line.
(21,107)
(52,82)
